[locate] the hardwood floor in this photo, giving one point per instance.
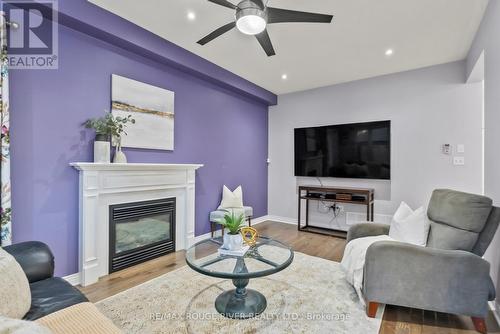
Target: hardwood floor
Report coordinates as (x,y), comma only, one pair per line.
(397,320)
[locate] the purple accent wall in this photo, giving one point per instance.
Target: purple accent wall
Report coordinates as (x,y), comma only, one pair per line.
(224,130)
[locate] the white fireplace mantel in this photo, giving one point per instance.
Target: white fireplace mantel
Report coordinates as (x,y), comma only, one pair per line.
(91,166)
(105,184)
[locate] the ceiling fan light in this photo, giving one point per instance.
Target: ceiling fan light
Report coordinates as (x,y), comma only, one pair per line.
(251,24)
(251,21)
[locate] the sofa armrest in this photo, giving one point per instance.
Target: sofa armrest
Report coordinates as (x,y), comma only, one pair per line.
(367,230)
(433,279)
(35,258)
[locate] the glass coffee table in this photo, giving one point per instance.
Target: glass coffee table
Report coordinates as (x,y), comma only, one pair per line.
(267,257)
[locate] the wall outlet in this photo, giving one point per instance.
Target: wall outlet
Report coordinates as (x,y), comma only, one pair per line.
(458,161)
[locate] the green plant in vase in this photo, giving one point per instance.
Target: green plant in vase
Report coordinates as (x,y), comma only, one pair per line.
(107,128)
(232,238)
(232,223)
(109,125)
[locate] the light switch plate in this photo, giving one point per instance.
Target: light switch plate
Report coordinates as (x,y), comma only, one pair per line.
(458,161)
(460,148)
(446,149)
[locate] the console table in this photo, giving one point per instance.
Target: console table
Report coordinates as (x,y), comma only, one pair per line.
(361,196)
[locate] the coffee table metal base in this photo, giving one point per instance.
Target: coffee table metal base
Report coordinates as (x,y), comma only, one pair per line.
(240,303)
(230,305)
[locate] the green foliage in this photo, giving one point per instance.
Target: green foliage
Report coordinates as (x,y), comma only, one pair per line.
(232,223)
(109,124)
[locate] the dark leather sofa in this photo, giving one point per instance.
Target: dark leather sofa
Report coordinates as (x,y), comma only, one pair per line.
(48,293)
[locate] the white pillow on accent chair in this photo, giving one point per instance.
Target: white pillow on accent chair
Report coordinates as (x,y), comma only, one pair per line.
(410,226)
(15,294)
(231,199)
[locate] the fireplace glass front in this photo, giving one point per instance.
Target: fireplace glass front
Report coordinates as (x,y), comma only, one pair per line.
(141,231)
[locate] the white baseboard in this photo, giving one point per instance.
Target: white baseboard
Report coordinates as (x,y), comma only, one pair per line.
(280,219)
(259,220)
(73,279)
(496,310)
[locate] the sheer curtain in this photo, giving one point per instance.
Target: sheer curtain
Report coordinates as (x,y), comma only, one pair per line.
(5,189)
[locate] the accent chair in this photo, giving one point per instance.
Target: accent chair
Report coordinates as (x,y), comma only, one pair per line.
(448,275)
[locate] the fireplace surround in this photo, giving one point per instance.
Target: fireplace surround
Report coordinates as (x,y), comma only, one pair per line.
(103,185)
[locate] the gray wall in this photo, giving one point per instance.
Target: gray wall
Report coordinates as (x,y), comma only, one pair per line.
(427,107)
(487,39)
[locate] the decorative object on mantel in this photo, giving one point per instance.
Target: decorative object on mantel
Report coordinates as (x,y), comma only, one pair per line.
(106,128)
(152,107)
(119,157)
(102,148)
(233,240)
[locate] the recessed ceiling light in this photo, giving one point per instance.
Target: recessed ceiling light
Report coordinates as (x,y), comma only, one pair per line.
(284,76)
(389,52)
(191,16)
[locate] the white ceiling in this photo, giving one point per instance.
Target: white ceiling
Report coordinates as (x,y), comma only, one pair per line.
(421,32)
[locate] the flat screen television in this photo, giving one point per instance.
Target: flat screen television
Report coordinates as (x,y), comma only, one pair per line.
(359,150)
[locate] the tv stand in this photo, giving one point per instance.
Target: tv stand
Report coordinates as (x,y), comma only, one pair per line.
(361,196)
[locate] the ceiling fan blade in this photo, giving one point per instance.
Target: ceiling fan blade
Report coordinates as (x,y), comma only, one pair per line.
(216,33)
(224,3)
(278,15)
(265,42)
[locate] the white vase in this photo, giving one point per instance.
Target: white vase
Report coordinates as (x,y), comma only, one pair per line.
(120,157)
(102,150)
(232,242)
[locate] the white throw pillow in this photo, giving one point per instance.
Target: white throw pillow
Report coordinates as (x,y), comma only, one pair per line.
(231,199)
(14,287)
(410,226)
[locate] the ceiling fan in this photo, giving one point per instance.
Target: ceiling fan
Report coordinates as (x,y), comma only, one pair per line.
(252,17)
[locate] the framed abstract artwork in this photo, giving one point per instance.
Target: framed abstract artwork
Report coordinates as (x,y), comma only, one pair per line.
(152,108)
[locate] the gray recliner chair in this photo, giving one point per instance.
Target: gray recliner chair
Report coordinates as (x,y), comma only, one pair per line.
(448,275)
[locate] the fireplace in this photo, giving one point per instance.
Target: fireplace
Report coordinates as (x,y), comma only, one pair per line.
(140,231)
(102,185)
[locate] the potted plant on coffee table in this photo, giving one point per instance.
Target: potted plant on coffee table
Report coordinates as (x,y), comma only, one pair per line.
(232,238)
(106,128)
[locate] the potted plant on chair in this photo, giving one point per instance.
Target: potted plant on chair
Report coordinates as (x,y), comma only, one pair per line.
(232,238)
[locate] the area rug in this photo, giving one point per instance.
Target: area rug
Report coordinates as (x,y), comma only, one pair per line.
(310,296)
